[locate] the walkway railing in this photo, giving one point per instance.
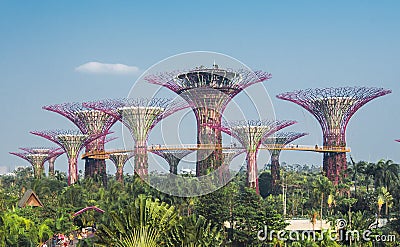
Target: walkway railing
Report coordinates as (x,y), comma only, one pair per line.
(316,148)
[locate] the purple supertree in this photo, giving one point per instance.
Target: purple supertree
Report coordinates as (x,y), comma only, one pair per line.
(119,160)
(53,153)
(397,140)
(274,144)
(89,122)
(251,134)
(36,160)
(333,108)
(140,116)
(208,91)
(227,156)
(173,157)
(72,142)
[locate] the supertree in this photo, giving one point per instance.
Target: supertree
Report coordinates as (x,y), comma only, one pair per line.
(251,134)
(227,156)
(173,157)
(208,91)
(397,140)
(53,153)
(140,116)
(36,160)
(119,160)
(274,144)
(72,142)
(333,108)
(89,122)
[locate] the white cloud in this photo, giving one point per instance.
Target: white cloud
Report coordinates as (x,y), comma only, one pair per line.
(107,68)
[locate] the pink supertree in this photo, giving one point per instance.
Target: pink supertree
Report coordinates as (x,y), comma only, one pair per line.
(208,91)
(140,116)
(173,157)
(397,140)
(119,160)
(227,156)
(89,122)
(36,160)
(251,134)
(333,108)
(274,144)
(53,153)
(72,142)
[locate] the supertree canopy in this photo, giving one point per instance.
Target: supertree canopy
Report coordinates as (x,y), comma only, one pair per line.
(36,160)
(274,144)
(72,142)
(53,153)
(89,122)
(397,140)
(250,134)
(333,108)
(173,157)
(139,116)
(119,160)
(208,91)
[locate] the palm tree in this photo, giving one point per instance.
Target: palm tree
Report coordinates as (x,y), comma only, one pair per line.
(388,200)
(355,170)
(386,174)
(322,186)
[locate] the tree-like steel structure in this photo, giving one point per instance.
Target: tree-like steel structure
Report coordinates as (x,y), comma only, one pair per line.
(36,160)
(274,144)
(251,134)
(90,122)
(397,140)
(72,142)
(53,153)
(333,108)
(173,157)
(140,116)
(119,160)
(227,157)
(208,91)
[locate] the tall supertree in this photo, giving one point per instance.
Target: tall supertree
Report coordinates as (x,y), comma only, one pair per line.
(119,160)
(140,116)
(208,91)
(72,142)
(333,108)
(173,157)
(36,160)
(89,122)
(274,144)
(53,153)
(251,134)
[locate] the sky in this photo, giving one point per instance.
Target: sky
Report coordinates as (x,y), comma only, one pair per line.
(64,51)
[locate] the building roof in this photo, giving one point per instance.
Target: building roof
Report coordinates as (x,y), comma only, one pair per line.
(30,199)
(306,225)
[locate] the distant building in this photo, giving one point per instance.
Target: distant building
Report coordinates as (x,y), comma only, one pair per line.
(3,170)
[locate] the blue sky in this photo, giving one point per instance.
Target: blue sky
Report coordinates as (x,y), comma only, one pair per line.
(304,44)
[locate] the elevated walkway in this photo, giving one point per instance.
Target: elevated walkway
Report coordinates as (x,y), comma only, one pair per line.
(319,149)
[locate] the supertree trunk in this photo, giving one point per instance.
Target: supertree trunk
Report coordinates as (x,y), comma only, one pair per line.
(210,158)
(275,170)
(141,159)
(119,175)
(72,170)
(252,173)
(51,166)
